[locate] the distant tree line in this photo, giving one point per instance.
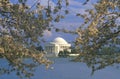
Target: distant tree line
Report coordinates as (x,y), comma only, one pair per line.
(64,53)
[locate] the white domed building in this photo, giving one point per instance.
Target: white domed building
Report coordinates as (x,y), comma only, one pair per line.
(59,44)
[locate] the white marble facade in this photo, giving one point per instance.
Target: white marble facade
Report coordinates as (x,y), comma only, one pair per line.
(59,44)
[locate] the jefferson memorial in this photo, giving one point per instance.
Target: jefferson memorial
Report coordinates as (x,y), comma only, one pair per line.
(58,44)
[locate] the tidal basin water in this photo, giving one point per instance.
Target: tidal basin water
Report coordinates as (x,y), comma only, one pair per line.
(63,68)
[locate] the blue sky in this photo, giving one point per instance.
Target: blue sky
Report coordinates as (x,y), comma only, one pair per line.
(71,22)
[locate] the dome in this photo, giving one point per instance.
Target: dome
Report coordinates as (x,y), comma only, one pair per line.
(60,40)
